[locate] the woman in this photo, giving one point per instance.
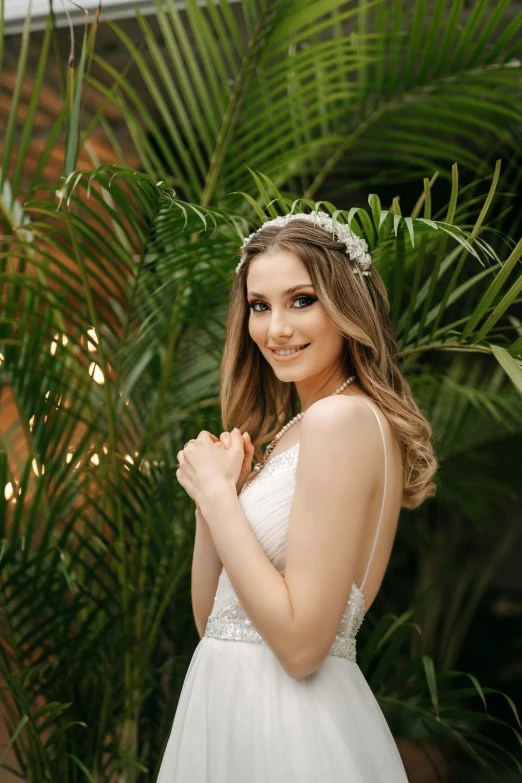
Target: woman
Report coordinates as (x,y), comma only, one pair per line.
(298,547)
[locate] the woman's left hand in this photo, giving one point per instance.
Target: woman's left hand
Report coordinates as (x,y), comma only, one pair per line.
(204,466)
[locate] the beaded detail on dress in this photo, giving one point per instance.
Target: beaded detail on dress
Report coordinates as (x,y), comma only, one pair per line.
(286,459)
(268,512)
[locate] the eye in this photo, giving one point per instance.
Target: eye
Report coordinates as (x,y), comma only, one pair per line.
(309,299)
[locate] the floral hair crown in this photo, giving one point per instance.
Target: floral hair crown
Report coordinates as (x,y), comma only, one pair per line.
(356,248)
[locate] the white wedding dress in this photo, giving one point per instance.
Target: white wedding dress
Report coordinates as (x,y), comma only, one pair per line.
(242,719)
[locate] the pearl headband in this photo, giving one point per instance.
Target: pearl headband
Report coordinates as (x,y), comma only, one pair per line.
(356,248)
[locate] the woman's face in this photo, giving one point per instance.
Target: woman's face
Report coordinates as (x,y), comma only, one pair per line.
(290,319)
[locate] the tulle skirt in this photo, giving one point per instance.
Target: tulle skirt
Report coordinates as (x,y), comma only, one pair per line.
(241,719)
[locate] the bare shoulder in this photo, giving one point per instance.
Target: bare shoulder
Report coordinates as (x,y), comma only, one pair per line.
(337,412)
(343,430)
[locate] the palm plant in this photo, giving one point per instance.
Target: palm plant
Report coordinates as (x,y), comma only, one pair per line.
(113,314)
(96,545)
(336,96)
(477,422)
(95,533)
(421,702)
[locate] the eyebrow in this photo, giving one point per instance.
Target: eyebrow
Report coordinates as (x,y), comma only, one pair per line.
(285,293)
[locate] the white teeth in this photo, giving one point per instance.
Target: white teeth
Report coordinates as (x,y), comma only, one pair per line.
(286,353)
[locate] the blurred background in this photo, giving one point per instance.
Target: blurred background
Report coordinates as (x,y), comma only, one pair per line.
(141,141)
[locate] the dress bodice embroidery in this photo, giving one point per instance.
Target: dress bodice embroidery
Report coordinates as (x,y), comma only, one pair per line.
(266,501)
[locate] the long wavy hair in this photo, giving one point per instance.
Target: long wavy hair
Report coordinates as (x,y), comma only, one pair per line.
(254,399)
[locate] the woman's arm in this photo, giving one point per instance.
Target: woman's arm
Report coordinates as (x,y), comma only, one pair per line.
(206,568)
(206,563)
(298,614)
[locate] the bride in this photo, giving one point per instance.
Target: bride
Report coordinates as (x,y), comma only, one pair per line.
(289,556)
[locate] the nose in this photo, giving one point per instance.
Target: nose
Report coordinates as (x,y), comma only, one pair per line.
(278,327)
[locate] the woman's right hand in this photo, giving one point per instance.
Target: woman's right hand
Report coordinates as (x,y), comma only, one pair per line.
(224,442)
(225,439)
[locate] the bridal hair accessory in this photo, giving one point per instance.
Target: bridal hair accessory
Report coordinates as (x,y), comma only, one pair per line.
(280,434)
(356,248)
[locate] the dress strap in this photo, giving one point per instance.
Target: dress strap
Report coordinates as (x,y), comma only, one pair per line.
(383,498)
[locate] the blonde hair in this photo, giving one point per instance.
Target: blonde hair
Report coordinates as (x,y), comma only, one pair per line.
(255,400)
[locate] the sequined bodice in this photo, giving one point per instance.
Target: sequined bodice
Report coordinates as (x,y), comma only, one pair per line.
(266,502)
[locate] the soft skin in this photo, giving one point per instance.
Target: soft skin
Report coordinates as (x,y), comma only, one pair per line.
(293,320)
(333,513)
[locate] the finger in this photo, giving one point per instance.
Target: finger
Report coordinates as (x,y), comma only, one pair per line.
(180,455)
(237,438)
(211,435)
(225,439)
(246,442)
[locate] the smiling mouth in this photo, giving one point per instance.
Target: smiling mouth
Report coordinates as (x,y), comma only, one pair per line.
(293,351)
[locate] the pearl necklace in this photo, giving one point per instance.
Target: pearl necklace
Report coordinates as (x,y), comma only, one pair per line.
(299,416)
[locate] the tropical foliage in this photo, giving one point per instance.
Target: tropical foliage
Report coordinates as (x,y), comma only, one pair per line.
(114,300)
(420,702)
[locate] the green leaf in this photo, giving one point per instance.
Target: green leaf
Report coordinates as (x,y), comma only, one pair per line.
(510,365)
(431,678)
